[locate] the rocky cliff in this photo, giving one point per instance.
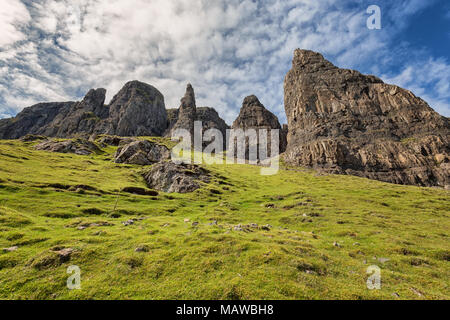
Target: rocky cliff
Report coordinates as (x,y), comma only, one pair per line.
(253,115)
(341,121)
(185,116)
(138,109)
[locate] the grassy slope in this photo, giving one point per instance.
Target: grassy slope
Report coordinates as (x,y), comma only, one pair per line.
(295,260)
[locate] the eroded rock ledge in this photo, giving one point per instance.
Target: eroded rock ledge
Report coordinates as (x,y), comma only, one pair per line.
(341,121)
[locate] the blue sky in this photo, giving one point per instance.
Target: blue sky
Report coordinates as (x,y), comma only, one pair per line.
(58,50)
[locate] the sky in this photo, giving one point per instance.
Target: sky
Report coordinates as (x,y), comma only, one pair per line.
(228,49)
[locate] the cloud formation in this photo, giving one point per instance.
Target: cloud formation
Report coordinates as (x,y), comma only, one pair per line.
(228,49)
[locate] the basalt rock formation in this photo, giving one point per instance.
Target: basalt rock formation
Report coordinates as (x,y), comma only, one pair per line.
(253,115)
(208,116)
(77,146)
(185,117)
(142,153)
(137,110)
(187,112)
(341,121)
(170,177)
(32,120)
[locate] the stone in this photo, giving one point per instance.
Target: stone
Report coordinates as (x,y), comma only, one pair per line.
(383,260)
(185,116)
(11,249)
(140,191)
(180,178)
(32,120)
(187,112)
(32,137)
(341,121)
(187,220)
(80,118)
(76,146)
(141,152)
(253,115)
(138,109)
(64,254)
(113,140)
(128,222)
(143,248)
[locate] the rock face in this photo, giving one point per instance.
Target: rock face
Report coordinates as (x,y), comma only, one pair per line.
(32,120)
(107,140)
(137,110)
(342,121)
(77,146)
(254,115)
(82,117)
(170,177)
(142,153)
(211,120)
(187,112)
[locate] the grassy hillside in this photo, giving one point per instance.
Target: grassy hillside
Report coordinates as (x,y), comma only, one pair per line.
(326,231)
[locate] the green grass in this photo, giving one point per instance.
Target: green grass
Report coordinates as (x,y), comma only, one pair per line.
(45,197)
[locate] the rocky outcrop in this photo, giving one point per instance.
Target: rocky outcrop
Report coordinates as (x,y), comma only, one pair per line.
(187,112)
(137,110)
(32,120)
(141,152)
(82,117)
(170,177)
(211,120)
(107,140)
(341,121)
(254,115)
(76,146)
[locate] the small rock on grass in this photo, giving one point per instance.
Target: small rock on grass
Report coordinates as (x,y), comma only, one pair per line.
(128,222)
(143,248)
(383,260)
(63,254)
(11,249)
(187,220)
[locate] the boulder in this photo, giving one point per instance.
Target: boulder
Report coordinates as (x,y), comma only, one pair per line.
(138,109)
(141,152)
(253,115)
(32,120)
(113,140)
(180,178)
(341,121)
(80,118)
(187,112)
(211,120)
(77,146)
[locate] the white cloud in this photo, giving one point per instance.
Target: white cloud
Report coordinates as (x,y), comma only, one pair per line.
(428,79)
(13,15)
